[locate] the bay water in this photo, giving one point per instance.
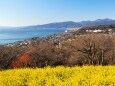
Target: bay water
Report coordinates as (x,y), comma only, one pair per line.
(18,34)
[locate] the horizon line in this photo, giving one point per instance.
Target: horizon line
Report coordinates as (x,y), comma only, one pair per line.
(52,22)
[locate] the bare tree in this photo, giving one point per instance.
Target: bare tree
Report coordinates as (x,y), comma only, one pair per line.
(93,47)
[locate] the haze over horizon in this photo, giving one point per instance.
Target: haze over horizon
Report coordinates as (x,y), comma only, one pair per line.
(35,12)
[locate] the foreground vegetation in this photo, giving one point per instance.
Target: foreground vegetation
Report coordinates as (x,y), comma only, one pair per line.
(59,76)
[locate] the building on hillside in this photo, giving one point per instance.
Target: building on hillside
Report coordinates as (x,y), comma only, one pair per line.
(94,31)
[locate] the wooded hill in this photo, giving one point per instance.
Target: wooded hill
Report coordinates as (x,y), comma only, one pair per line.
(73,48)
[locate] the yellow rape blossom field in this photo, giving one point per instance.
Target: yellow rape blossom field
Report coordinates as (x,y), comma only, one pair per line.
(59,76)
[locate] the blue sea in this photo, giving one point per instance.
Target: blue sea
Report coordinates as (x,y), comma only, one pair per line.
(18,34)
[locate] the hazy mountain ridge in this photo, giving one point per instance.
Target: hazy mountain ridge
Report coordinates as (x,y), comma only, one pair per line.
(71,24)
(68,24)
(97,22)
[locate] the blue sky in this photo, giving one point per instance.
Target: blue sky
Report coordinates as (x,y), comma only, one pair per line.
(33,12)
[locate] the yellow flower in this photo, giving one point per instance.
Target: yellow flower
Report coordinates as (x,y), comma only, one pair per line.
(59,76)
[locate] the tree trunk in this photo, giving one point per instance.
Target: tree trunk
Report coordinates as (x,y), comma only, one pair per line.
(102,60)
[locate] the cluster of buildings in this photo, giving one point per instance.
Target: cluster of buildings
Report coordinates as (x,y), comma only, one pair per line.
(99,31)
(58,39)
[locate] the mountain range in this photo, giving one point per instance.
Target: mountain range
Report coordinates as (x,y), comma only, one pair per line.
(69,24)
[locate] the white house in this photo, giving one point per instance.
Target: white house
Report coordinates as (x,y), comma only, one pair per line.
(94,31)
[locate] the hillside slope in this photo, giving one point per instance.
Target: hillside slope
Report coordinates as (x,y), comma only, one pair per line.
(78,47)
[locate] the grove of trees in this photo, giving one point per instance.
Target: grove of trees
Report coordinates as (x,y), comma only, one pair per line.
(90,49)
